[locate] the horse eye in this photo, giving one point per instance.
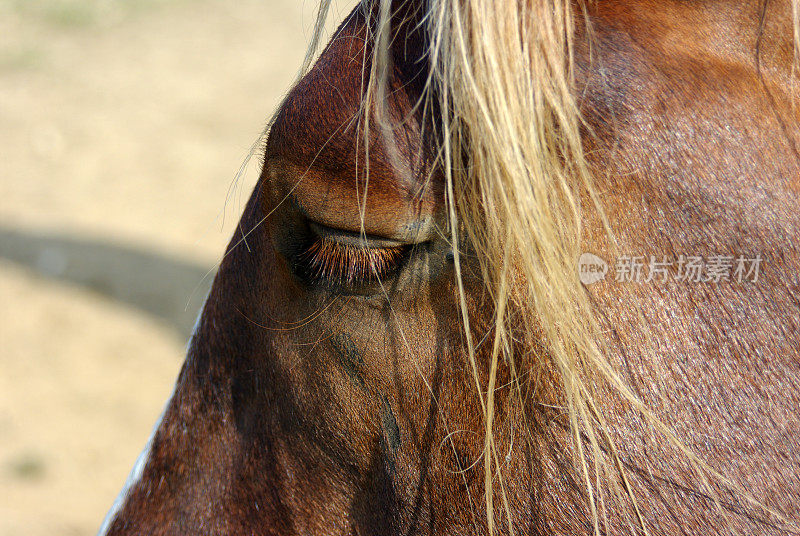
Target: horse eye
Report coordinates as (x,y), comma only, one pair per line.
(344,258)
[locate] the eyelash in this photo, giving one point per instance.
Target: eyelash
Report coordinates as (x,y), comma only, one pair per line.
(328,260)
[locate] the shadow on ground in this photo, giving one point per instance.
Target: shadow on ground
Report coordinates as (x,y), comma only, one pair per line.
(170,289)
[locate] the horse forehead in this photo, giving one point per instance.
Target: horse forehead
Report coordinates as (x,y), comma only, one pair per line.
(321,122)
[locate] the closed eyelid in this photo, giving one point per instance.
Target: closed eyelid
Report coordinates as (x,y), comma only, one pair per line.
(384,228)
(329,259)
(351,238)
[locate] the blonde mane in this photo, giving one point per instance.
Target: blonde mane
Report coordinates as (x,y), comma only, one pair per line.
(512,157)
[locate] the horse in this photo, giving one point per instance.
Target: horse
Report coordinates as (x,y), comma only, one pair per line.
(510,267)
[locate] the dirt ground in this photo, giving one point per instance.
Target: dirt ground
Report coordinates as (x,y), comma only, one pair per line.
(122,125)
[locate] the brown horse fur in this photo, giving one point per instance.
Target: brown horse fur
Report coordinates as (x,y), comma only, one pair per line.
(308,406)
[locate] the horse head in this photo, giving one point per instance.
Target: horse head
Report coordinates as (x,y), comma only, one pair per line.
(398,341)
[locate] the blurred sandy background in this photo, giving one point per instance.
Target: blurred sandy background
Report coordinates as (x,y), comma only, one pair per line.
(122,125)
